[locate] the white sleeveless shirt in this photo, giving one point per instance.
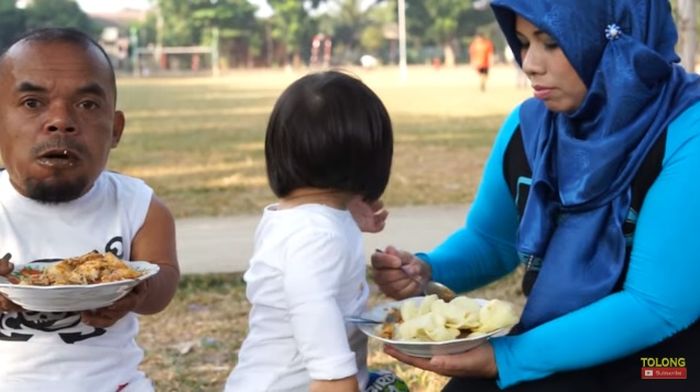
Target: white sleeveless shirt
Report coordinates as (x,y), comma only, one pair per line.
(56,351)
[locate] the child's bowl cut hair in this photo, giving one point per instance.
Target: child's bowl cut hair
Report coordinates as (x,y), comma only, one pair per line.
(328,130)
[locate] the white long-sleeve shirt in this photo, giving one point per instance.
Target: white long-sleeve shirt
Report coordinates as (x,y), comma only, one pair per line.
(307,272)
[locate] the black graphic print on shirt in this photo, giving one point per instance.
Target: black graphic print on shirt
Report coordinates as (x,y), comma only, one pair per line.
(23,326)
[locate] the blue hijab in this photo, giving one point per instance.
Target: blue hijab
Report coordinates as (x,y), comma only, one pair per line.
(583,162)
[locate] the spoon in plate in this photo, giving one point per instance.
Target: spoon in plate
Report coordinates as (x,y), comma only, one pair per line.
(430,287)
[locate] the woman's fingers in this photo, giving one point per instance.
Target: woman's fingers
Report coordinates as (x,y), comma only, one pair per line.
(391,275)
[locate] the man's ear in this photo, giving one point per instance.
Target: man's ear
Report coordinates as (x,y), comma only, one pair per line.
(118,127)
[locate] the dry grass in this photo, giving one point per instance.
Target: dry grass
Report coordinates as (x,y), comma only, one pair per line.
(192,346)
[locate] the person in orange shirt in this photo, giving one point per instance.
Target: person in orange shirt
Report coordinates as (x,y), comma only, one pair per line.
(480,53)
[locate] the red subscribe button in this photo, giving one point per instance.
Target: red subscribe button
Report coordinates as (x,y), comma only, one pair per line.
(664,373)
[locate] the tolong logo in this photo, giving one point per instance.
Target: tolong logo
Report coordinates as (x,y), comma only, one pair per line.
(664,368)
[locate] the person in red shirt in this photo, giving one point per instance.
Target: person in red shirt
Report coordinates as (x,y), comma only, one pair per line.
(480,53)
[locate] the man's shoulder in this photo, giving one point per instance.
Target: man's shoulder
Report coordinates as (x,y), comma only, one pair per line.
(123,184)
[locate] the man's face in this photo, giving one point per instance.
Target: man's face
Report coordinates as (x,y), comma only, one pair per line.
(57,118)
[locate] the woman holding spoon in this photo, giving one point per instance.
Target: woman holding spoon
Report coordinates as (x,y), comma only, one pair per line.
(591,186)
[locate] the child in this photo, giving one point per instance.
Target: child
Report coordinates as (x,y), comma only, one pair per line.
(329,142)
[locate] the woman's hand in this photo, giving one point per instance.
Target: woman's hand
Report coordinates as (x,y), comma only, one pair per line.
(369,216)
(478,362)
(399,274)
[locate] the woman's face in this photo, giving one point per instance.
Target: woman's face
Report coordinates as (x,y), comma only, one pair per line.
(553,79)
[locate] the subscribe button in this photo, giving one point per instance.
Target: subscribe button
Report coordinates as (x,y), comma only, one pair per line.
(664,373)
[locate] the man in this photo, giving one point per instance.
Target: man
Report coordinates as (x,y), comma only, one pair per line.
(480,53)
(58,123)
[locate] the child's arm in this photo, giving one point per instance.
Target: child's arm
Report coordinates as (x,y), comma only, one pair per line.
(318,264)
(348,384)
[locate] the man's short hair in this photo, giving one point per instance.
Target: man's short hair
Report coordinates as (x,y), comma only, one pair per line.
(328,130)
(67,35)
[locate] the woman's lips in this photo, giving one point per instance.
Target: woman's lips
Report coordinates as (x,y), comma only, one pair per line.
(542,92)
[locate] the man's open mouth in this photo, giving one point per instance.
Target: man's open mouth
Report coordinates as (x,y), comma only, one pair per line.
(58,158)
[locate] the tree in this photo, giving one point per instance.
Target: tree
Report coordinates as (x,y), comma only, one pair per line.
(355,24)
(687,26)
(58,13)
(12,23)
(189,23)
(445,16)
(292,26)
(235,21)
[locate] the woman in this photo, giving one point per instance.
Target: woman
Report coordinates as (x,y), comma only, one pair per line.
(591,184)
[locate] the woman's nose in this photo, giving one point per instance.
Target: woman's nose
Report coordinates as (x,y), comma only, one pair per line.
(60,119)
(531,61)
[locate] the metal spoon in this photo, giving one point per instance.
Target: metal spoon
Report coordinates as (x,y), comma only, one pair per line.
(431,287)
(361,320)
(443,292)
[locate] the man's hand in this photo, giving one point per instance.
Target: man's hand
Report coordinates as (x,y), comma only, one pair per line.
(478,362)
(369,216)
(8,306)
(399,274)
(6,269)
(107,316)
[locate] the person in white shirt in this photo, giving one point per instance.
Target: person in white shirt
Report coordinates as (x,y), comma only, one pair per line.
(328,150)
(58,123)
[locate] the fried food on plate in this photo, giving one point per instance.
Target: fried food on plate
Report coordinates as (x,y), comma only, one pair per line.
(90,268)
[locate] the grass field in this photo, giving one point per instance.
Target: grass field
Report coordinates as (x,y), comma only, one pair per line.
(199,143)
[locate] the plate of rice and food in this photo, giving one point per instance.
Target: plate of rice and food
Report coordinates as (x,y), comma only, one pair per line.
(428,326)
(91,281)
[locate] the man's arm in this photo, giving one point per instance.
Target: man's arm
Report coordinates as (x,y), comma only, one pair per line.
(155,243)
(348,384)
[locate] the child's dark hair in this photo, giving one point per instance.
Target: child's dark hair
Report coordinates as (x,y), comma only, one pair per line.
(328,130)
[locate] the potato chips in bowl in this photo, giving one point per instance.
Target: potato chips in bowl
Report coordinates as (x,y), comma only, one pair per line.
(427,326)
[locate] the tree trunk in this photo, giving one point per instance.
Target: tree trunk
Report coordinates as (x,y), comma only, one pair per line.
(688,34)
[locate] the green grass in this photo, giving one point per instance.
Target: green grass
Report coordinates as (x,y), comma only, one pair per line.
(199,141)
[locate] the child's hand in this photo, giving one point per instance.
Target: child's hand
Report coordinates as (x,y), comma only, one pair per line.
(369,216)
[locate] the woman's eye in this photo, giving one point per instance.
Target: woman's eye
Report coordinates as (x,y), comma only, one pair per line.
(551,45)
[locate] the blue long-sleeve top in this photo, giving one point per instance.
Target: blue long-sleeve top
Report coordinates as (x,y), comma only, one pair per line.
(654,302)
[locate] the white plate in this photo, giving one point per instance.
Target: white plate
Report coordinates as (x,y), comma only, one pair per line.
(72,298)
(424,349)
